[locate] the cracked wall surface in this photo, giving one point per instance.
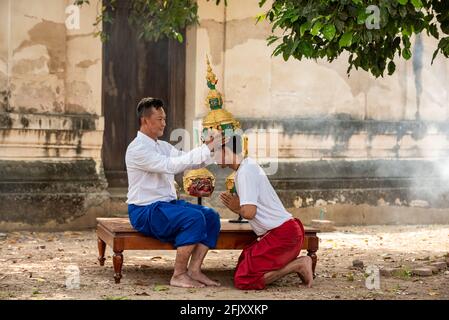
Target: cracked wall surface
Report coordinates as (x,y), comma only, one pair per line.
(50,114)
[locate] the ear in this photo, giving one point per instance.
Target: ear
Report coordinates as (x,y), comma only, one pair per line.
(144,121)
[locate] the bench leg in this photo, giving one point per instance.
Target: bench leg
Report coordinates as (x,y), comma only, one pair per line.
(101,251)
(312,254)
(118,263)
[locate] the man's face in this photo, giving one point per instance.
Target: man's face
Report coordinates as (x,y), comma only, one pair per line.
(155,123)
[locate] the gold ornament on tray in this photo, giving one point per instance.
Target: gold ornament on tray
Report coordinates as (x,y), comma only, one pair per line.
(230,183)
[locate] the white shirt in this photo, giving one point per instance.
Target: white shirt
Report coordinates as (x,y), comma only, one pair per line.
(152,166)
(253,187)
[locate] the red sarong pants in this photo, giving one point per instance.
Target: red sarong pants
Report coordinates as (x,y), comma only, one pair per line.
(270,252)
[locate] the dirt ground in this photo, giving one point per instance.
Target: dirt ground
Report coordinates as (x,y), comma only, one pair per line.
(34,266)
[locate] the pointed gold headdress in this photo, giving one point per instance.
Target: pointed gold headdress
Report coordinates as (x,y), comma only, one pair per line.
(217,118)
(220,119)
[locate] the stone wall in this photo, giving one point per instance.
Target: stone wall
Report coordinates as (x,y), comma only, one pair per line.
(344,144)
(51,124)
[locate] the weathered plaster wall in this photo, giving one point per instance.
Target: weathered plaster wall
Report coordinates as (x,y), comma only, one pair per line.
(53,79)
(199,43)
(329,124)
(51,124)
(4,53)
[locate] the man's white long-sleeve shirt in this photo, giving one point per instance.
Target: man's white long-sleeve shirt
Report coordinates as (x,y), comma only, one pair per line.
(152,166)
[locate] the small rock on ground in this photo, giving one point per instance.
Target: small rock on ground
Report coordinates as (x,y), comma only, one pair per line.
(422,272)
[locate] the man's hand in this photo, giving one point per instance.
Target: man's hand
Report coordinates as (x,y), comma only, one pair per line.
(214,139)
(231,201)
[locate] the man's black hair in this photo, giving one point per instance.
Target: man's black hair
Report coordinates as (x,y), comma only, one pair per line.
(234,143)
(146,104)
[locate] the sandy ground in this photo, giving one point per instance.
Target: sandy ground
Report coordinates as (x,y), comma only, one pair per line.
(34,266)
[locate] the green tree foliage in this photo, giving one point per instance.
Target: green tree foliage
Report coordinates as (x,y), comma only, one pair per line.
(372,32)
(327,28)
(154,19)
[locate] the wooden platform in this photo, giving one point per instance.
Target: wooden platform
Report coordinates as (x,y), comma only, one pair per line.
(118,234)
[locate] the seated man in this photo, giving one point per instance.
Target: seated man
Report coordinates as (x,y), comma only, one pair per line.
(152,202)
(275,253)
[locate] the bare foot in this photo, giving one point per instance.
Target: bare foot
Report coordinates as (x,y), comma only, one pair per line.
(304,270)
(184,281)
(201,277)
(303,281)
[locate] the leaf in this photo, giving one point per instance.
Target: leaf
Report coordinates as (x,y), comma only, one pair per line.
(260,17)
(345,40)
(433,30)
(295,45)
(391,68)
(403,2)
(406,31)
(294,18)
(329,31)
(435,55)
(160,288)
(406,42)
(271,40)
(306,48)
(445,27)
(417,3)
(316,28)
(361,18)
(406,54)
(304,27)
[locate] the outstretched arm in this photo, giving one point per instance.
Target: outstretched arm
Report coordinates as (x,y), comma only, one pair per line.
(141,159)
(154,162)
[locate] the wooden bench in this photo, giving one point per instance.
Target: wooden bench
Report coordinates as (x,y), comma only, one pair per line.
(120,235)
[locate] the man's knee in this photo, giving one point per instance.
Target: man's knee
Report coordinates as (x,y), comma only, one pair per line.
(193,230)
(196,221)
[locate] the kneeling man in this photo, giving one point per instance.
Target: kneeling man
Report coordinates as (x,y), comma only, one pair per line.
(275,253)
